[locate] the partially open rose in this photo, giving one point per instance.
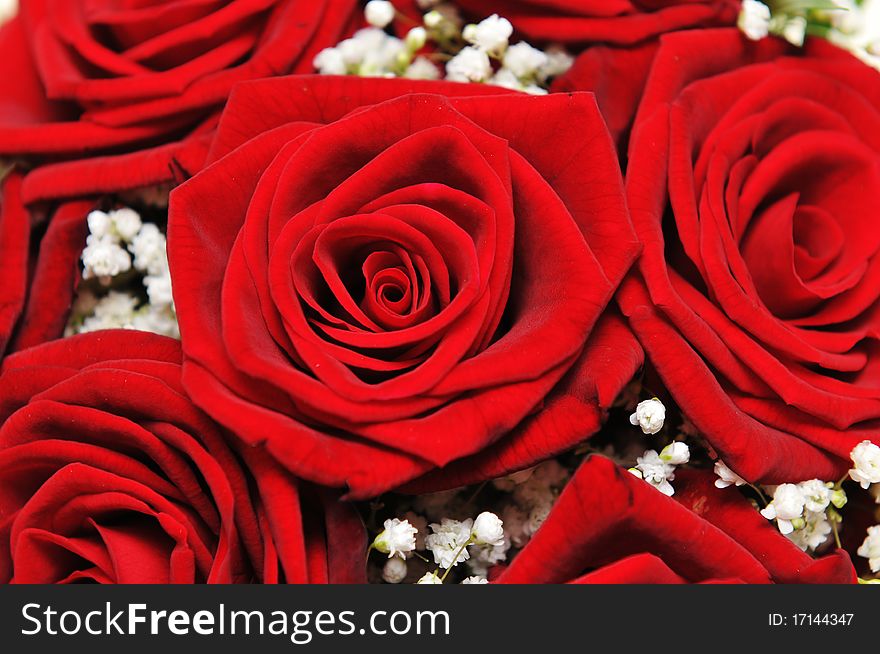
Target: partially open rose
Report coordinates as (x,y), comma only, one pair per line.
(373,284)
(109,474)
(609,527)
(754,183)
(127,92)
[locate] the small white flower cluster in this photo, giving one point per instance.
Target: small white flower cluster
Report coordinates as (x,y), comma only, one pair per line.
(649,415)
(757,21)
(120,243)
(866,471)
(372,52)
(870,549)
(856,27)
(804,512)
(659,469)
(449,543)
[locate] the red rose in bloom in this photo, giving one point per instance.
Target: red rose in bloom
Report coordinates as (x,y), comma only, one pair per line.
(580,22)
(609,527)
(142,81)
(754,183)
(374,285)
(108,473)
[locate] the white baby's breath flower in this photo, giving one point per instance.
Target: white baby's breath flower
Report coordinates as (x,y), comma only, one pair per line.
(379,13)
(786,507)
(870,548)
(866,458)
(416,38)
(148,248)
(754,19)
(814,533)
(476,579)
(422,68)
(649,415)
(524,61)
(126,222)
(469,65)
(817,495)
(159,289)
(113,311)
(156,320)
(330,61)
(676,453)
(395,570)
(488,529)
(795,30)
(103,258)
(397,539)
(100,224)
(448,541)
(430,578)
(491,35)
(656,471)
(726,476)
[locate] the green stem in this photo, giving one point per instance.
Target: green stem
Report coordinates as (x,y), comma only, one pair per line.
(469,541)
(836,534)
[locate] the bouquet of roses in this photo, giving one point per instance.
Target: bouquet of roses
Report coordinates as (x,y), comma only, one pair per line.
(429,291)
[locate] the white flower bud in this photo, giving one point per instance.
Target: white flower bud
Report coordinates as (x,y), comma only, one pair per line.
(754,19)
(422,68)
(394,571)
(475,580)
(677,453)
(434,19)
(448,542)
(100,224)
(649,415)
(398,538)
(795,30)
(655,471)
(726,476)
(103,258)
(469,65)
(379,13)
(866,457)
(524,61)
(488,529)
(786,507)
(491,35)
(430,578)
(416,38)
(126,222)
(330,62)
(870,548)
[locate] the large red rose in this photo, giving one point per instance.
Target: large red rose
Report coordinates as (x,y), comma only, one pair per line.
(754,182)
(373,285)
(126,93)
(108,473)
(579,22)
(610,527)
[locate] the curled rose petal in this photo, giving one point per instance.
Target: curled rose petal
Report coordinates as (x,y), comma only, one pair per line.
(608,526)
(116,95)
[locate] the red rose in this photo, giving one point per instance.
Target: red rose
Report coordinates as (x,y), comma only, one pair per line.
(580,22)
(754,183)
(610,527)
(127,93)
(374,285)
(108,473)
